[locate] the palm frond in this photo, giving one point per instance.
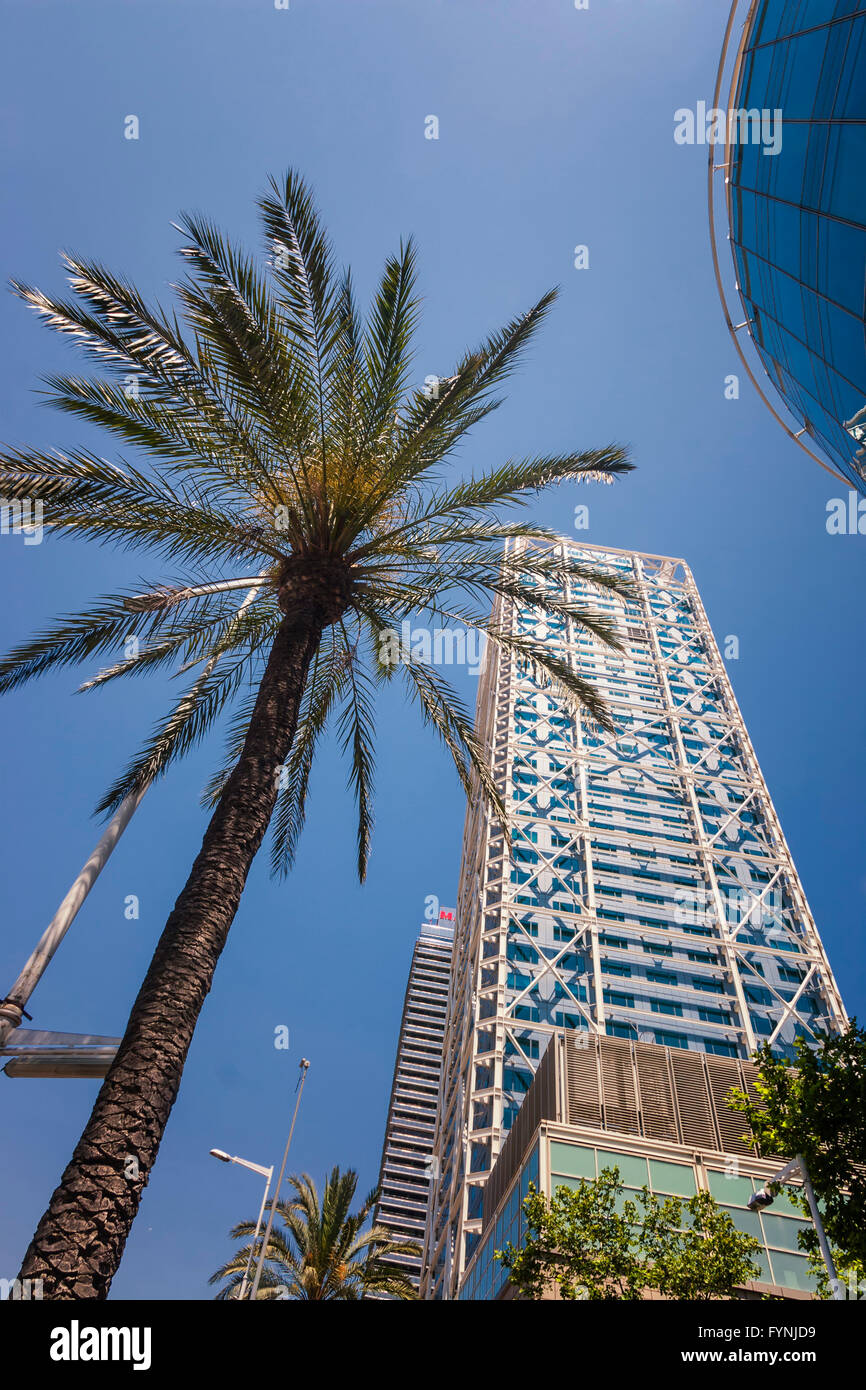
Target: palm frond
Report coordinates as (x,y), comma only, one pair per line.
(325,684)
(303,270)
(355,728)
(110,623)
(126,507)
(125,336)
(194,714)
(386,346)
(505,486)
(231,308)
(346,383)
(443,709)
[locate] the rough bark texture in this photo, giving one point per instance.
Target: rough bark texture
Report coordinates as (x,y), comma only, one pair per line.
(78,1243)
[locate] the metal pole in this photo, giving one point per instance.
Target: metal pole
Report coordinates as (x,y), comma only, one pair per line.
(245,1280)
(835,1281)
(12,1007)
(261,1264)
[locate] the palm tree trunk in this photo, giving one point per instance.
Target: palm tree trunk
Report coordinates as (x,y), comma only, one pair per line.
(79,1241)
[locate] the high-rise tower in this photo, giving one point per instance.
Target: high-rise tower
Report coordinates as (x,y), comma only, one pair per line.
(405,1173)
(646,891)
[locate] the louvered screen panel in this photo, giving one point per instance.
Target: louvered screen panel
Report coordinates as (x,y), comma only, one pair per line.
(693,1101)
(657,1103)
(581,1080)
(749,1073)
(724,1073)
(618,1086)
(552,1104)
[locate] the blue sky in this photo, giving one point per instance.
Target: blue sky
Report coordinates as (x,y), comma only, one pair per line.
(555,129)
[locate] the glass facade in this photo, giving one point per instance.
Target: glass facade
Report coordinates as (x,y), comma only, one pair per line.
(780,1260)
(487,1277)
(798,217)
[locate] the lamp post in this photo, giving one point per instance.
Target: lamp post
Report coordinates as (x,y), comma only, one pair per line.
(12,1007)
(644,1037)
(305,1066)
(36,1052)
(764,1198)
(266,1173)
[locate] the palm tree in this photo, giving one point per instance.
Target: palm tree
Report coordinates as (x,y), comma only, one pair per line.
(284,456)
(324,1252)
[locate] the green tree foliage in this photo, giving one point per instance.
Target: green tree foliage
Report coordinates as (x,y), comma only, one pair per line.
(818,1109)
(596,1244)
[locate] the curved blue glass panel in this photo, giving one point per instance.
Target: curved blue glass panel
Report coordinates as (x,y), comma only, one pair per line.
(798,216)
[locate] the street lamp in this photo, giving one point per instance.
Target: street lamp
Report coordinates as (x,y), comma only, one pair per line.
(305,1066)
(266,1173)
(38,1052)
(645,1037)
(765,1198)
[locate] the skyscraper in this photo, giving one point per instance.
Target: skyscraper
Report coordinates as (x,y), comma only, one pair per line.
(797,214)
(646,892)
(405,1173)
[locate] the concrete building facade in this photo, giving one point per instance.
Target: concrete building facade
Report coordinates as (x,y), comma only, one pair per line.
(406,1168)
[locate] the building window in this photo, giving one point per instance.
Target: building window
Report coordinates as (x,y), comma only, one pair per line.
(618,1000)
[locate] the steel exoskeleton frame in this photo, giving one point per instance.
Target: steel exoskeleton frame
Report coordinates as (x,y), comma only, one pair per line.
(693,895)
